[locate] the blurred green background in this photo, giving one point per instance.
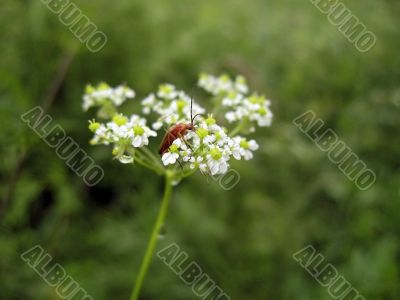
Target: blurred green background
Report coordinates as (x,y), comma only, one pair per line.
(289,196)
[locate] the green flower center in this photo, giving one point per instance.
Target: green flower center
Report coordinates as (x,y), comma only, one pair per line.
(257,99)
(103,86)
(89,89)
(173,148)
(217,136)
(120,120)
(116,151)
(166,89)
(241,80)
(232,95)
(224,78)
(262,111)
(204,76)
(93,126)
(180,104)
(210,120)
(215,154)
(244,144)
(253,99)
(202,132)
(137,130)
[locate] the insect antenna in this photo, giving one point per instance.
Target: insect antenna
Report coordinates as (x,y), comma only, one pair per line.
(195,117)
(191,109)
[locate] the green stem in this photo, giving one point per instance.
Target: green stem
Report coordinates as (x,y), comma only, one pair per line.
(147,165)
(151,156)
(140,158)
(239,127)
(154,236)
(188,173)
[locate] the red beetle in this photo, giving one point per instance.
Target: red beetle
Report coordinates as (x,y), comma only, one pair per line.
(177,131)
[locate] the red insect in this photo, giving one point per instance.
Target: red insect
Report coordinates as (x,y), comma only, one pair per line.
(177,131)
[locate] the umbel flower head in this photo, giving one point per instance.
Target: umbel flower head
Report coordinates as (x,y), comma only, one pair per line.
(240,106)
(204,145)
(124,133)
(106,97)
(171,106)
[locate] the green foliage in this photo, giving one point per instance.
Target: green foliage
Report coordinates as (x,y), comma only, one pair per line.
(289,196)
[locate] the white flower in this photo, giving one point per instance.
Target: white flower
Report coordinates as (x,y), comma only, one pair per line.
(167,91)
(173,107)
(125,159)
(215,85)
(103,94)
(222,84)
(234,98)
(172,155)
(207,82)
(101,134)
(147,103)
(241,85)
(157,125)
(231,116)
(120,94)
(217,166)
(264,118)
(123,133)
(197,162)
(217,161)
(254,108)
(169,158)
(240,147)
(206,146)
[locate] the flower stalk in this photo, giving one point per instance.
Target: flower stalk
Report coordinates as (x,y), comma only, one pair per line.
(169,175)
(192,144)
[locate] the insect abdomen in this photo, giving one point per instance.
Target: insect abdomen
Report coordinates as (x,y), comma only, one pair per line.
(172,134)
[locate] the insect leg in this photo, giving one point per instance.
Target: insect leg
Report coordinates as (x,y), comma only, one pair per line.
(185,141)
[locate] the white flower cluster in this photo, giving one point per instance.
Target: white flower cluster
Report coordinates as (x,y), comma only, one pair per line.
(103,94)
(222,84)
(125,134)
(171,106)
(204,145)
(241,107)
(209,148)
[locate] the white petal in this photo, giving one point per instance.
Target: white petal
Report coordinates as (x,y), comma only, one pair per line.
(137,141)
(236,154)
(253,145)
(157,125)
